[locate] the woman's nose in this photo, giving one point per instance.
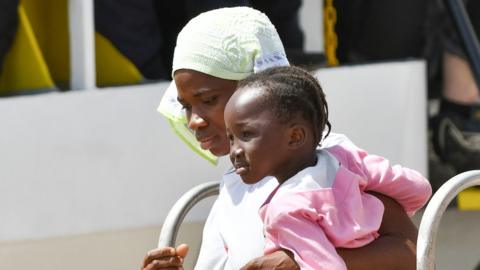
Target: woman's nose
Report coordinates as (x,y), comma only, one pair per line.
(196,121)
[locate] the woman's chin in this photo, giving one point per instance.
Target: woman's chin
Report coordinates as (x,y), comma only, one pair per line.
(218,149)
(219,152)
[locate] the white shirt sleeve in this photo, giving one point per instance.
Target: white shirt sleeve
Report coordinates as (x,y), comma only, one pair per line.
(212,251)
(233,232)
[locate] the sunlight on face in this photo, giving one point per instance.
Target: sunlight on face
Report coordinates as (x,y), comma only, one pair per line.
(203,98)
(258,140)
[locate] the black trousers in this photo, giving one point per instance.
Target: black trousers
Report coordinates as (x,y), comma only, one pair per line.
(379,30)
(145,31)
(8,26)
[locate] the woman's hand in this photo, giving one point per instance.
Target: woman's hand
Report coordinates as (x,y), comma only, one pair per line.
(165,258)
(278,260)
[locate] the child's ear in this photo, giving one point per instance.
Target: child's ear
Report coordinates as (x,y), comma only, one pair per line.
(297,136)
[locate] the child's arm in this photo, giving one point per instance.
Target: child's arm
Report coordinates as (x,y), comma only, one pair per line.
(292,222)
(408,187)
(305,239)
(394,249)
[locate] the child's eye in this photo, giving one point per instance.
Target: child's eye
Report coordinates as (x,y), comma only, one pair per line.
(230,138)
(246,134)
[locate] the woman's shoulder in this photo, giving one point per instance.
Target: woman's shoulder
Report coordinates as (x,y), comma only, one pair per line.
(234,184)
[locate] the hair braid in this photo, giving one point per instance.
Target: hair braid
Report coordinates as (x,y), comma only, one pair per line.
(291,91)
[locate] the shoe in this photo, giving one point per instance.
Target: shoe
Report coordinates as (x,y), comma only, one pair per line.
(456,139)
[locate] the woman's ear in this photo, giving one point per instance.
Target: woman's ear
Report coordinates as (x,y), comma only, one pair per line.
(297,136)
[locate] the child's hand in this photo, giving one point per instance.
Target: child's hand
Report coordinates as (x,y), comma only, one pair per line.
(278,260)
(165,258)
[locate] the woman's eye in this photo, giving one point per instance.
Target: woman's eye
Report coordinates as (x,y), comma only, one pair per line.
(186,107)
(211,100)
(230,138)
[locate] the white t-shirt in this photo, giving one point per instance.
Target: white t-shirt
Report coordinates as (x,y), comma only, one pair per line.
(233,232)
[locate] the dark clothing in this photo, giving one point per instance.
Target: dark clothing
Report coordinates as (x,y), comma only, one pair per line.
(370,30)
(284,15)
(379,30)
(145,31)
(8,26)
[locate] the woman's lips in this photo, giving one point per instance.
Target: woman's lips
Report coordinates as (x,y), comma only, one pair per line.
(206,143)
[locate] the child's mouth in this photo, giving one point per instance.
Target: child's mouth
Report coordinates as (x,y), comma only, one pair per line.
(241,168)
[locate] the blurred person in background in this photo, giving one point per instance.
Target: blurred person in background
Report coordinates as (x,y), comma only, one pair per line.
(145,31)
(391,30)
(8,27)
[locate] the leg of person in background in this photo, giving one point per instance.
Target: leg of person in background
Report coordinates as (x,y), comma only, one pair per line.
(8,26)
(284,14)
(378,30)
(132,27)
(458,83)
(171,17)
(195,7)
(456,128)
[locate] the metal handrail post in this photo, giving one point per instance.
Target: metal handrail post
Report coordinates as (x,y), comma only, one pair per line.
(427,233)
(82,44)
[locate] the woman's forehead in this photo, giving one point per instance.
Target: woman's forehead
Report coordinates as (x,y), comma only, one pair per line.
(194,83)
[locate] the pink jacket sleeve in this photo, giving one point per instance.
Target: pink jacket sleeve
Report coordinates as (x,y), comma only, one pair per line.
(312,223)
(298,231)
(408,187)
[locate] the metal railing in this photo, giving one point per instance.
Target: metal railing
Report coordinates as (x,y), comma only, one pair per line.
(427,234)
(175,216)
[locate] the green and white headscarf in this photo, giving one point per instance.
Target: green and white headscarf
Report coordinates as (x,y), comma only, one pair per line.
(228,43)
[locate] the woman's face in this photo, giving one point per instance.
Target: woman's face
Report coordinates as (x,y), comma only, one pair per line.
(203,98)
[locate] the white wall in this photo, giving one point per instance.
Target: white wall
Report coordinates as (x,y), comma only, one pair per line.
(382,108)
(87,161)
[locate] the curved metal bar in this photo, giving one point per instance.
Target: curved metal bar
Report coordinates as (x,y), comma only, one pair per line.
(427,234)
(177,213)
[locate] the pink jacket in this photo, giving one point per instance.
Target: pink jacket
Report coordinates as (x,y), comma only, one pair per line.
(311,214)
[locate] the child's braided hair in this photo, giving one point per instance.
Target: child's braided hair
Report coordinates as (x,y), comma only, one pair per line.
(290,91)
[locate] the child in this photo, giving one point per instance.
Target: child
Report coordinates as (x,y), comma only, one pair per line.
(275,121)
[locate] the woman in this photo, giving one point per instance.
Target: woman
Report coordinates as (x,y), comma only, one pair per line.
(214,51)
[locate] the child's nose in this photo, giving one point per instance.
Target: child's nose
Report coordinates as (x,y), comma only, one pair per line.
(235,152)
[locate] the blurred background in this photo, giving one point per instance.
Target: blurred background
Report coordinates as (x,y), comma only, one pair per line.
(89,169)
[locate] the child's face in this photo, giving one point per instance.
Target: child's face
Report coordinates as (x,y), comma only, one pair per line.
(258,140)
